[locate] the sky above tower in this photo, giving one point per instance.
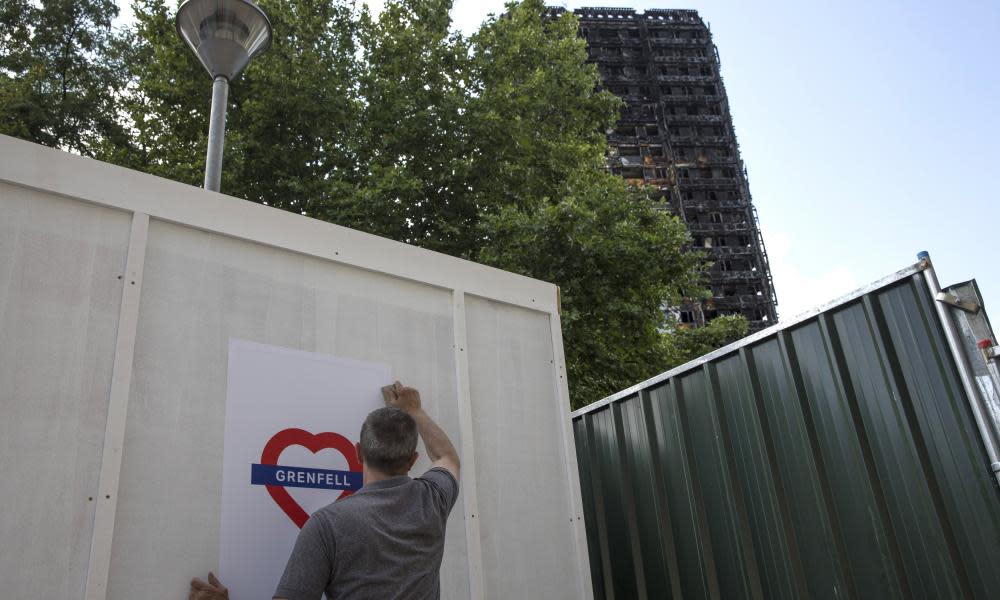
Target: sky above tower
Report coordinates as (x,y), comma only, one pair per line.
(870,131)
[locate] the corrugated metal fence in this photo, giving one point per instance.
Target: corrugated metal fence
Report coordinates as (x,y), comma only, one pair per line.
(835,457)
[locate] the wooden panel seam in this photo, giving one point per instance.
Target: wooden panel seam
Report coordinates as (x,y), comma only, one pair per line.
(474,551)
(99,563)
(561,383)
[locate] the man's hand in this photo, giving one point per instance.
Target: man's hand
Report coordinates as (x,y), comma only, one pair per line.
(404,398)
(439,448)
(210,590)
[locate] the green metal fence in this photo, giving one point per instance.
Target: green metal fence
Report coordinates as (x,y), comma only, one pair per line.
(837,456)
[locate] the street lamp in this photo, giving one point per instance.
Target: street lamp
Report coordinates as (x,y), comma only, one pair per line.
(225,35)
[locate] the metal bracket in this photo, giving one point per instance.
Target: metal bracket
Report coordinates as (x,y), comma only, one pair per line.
(953,300)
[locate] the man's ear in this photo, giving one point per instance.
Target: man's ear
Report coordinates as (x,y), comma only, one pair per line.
(361,455)
(413,461)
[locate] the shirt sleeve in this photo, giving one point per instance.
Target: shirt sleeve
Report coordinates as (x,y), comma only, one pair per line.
(444,488)
(310,565)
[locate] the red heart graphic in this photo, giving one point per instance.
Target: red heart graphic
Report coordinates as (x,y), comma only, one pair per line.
(315,443)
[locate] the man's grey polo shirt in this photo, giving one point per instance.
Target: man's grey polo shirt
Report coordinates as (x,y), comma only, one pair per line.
(383,542)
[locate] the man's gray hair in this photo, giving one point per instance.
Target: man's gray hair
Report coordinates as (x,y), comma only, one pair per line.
(388,440)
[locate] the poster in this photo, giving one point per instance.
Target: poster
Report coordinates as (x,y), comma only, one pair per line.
(292,418)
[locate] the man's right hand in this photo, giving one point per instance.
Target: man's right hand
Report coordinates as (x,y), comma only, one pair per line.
(439,448)
(401,397)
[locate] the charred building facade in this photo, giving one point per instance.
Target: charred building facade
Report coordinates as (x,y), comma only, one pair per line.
(676,140)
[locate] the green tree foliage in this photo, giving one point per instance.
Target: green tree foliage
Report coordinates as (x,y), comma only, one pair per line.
(167,107)
(294,117)
(616,261)
(489,147)
(291,113)
(687,344)
(414,143)
(538,119)
(60,74)
(553,213)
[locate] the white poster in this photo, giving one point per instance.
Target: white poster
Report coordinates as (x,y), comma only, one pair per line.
(292,418)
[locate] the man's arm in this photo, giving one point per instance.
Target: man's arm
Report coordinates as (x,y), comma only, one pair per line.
(439,448)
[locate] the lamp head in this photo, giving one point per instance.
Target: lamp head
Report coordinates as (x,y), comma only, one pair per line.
(224,34)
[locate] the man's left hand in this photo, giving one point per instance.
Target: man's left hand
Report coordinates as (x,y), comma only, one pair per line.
(208,590)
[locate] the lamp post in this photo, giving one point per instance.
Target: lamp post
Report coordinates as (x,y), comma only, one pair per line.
(225,35)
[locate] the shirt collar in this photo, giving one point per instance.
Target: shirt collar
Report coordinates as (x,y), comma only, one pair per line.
(385,483)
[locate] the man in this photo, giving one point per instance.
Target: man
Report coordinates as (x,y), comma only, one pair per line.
(386,540)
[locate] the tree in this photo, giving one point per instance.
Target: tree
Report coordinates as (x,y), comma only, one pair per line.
(552,212)
(59,73)
(538,117)
(618,262)
(489,147)
(687,343)
(289,134)
(166,107)
(296,113)
(415,158)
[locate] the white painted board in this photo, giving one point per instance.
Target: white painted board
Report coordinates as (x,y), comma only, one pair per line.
(482,345)
(199,291)
(526,526)
(60,291)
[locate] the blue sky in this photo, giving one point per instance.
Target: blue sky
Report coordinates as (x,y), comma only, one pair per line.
(870,131)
